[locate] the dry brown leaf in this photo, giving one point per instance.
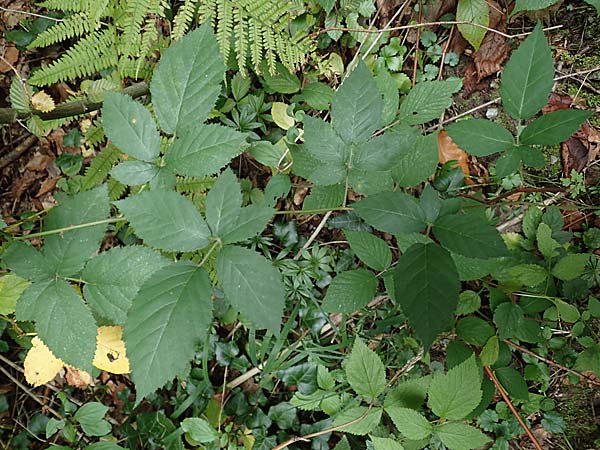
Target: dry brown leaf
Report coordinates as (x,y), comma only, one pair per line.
(449,151)
(40,365)
(42,102)
(11,55)
(77,378)
(47,186)
(489,58)
(110,350)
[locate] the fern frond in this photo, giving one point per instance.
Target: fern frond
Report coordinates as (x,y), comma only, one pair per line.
(256,48)
(224,26)
(270,45)
(98,9)
(189,185)
(183,19)
(100,166)
(132,24)
(90,55)
(76,25)
(208,11)
(94,135)
(66,5)
(116,189)
(241,41)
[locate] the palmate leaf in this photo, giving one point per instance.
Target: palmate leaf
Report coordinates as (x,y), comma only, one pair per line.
(113,278)
(428,280)
(527,77)
(252,285)
(62,320)
(170,314)
(357,105)
(166,220)
(187,80)
(225,215)
(202,150)
(130,126)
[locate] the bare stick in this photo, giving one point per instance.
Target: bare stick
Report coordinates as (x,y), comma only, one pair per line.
(18,151)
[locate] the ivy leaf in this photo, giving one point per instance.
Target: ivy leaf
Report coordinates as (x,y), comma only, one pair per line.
(394,212)
(513,382)
(67,252)
(166,220)
(469,236)
(63,322)
(225,215)
(427,277)
(130,126)
(187,80)
(365,371)
(455,394)
(133,173)
(113,278)
(480,137)
(200,150)
(252,285)
(473,11)
(427,101)
(527,77)
(570,266)
(370,249)
(357,106)
(199,430)
(554,127)
(170,314)
(409,422)
(458,436)
(350,290)
(91,418)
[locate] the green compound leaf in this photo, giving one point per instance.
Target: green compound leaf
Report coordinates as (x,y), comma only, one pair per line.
(324,197)
(419,163)
(513,382)
(187,80)
(454,395)
(252,285)
(480,137)
(409,422)
(427,277)
(225,215)
(528,76)
(113,278)
(458,436)
(469,236)
(394,212)
(473,11)
(130,126)
(408,394)
(357,106)
(201,150)
(166,220)
(365,371)
(323,142)
(133,173)
(363,426)
(427,101)
(370,249)
(169,316)
(63,322)
(385,444)
(570,266)
(379,153)
(350,290)
(27,262)
(554,127)
(67,252)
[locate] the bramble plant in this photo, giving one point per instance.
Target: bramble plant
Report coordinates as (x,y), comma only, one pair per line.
(182,253)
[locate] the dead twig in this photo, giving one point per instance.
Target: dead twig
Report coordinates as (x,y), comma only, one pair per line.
(18,151)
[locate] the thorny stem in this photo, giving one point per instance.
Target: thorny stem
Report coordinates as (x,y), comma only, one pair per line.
(307,437)
(70,228)
(504,395)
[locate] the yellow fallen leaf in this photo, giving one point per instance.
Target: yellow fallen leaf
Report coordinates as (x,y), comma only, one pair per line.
(110,350)
(280,115)
(42,102)
(40,365)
